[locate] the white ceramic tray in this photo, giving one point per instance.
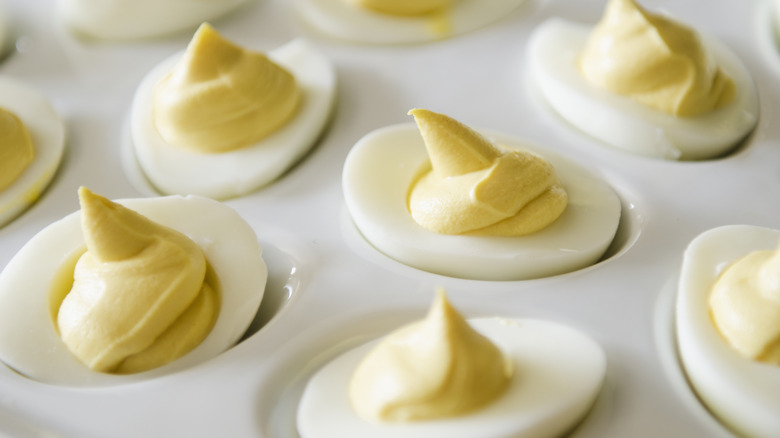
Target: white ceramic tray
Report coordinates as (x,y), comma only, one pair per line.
(328,289)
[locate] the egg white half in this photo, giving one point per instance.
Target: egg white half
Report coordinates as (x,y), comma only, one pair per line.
(378,174)
(743,394)
(29,342)
(554,48)
(558,374)
(47,133)
(135,19)
(172,170)
(344,19)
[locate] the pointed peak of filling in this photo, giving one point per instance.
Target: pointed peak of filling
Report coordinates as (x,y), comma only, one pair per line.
(111,231)
(453,148)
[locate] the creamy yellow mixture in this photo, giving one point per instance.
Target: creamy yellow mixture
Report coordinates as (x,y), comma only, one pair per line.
(139,298)
(220,97)
(655,61)
(474,187)
(16,148)
(438,367)
(745,306)
(404,7)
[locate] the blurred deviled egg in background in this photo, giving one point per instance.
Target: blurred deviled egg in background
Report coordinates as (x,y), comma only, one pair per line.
(645,83)
(401,21)
(32,142)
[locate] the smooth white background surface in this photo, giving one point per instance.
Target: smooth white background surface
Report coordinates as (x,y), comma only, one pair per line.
(342,291)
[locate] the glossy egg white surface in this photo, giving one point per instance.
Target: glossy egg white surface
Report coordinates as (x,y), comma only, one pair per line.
(138,19)
(743,394)
(616,120)
(345,20)
(558,374)
(172,170)
(378,174)
(47,133)
(29,342)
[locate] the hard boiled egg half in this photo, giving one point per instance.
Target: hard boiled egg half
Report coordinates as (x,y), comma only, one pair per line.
(371,22)
(30,287)
(742,393)
(549,376)
(27,116)
(381,168)
(555,48)
(135,19)
(173,169)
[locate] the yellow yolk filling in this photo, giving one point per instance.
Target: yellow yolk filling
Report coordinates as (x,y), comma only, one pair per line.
(475,188)
(16,148)
(745,306)
(655,61)
(141,296)
(220,97)
(435,368)
(404,7)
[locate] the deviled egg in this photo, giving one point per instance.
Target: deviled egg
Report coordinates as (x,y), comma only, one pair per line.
(401,22)
(728,326)
(129,290)
(137,19)
(32,141)
(490,206)
(446,376)
(220,121)
(645,83)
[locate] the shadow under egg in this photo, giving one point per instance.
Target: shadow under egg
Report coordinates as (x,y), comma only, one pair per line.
(285,277)
(628,231)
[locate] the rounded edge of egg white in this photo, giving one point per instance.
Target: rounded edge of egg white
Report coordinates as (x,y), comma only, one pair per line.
(380,169)
(621,122)
(544,397)
(139,19)
(171,170)
(344,20)
(47,132)
(26,285)
(741,393)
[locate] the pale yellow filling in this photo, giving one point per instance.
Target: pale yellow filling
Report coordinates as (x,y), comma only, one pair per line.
(405,7)
(220,97)
(435,368)
(16,148)
(473,187)
(745,306)
(654,60)
(140,296)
